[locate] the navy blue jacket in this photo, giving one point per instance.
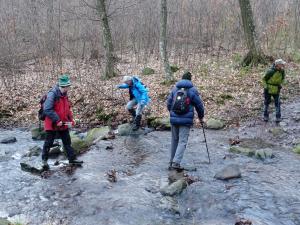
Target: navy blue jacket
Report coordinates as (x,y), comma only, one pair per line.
(196,102)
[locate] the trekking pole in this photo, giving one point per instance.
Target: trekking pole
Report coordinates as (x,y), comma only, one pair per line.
(202,124)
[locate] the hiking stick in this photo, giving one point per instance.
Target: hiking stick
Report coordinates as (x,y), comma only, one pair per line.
(205,142)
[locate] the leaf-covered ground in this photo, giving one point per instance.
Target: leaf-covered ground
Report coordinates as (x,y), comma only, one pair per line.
(229,92)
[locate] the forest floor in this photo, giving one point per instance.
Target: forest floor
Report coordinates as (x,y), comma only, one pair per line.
(230,93)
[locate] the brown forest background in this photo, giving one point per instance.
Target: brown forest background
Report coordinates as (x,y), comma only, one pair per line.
(41,38)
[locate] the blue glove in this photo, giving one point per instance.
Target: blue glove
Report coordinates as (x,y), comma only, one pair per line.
(143,102)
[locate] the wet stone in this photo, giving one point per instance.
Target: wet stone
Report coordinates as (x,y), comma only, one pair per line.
(32,166)
(214,124)
(169,204)
(229,172)
(242,150)
(34,151)
(264,153)
(8,140)
(175,188)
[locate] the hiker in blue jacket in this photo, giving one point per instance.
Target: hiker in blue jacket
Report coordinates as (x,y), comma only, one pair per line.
(138,94)
(181,122)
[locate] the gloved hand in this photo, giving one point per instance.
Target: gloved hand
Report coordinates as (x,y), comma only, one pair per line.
(59,123)
(143,102)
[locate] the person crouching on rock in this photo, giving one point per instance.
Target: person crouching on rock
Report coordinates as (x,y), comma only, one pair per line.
(58,117)
(138,94)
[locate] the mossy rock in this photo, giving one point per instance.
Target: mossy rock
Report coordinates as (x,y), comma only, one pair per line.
(245,151)
(264,153)
(96,133)
(148,71)
(124,129)
(297,149)
(38,133)
(214,124)
(4,222)
(79,145)
(277,131)
(160,123)
(174,68)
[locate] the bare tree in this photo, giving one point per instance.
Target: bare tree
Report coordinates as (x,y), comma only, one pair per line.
(163,40)
(255,54)
(107,39)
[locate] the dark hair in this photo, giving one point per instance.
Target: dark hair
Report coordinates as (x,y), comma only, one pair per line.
(187,76)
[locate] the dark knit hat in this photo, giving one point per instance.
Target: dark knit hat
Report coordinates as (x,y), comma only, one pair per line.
(187,76)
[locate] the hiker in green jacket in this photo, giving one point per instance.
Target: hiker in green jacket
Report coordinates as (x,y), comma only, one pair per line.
(272,82)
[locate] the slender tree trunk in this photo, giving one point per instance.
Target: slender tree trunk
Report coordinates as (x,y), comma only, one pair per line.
(107,39)
(163,40)
(255,54)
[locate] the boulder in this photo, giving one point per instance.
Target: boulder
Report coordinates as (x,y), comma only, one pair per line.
(174,176)
(8,140)
(296,149)
(32,166)
(4,222)
(160,123)
(277,131)
(34,151)
(55,151)
(169,204)
(126,129)
(264,153)
(79,145)
(148,71)
(241,150)
(38,133)
(175,188)
(229,172)
(214,124)
(96,133)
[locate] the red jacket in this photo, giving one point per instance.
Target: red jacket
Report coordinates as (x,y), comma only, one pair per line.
(57,108)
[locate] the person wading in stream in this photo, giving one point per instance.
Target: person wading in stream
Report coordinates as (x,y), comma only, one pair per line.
(272,82)
(138,96)
(181,102)
(58,119)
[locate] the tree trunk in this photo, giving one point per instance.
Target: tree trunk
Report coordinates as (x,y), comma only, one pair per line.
(163,40)
(108,44)
(255,54)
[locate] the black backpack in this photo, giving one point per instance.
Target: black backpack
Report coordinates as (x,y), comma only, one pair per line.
(181,102)
(41,114)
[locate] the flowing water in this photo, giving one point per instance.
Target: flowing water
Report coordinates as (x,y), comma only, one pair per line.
(266,194)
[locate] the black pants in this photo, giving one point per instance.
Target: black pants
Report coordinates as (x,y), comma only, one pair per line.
(267,103)
(66,139)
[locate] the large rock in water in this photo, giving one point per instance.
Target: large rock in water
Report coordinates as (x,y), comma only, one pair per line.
(175,188)
(214,124)
(38,133)
(264,153)
(126,129)
(34,151)
(241,150)
(9,140)
(160,123)
(4,222)
(297,149)
(169,204)
(229,172)
(32,166)
(96,133)
(79,145)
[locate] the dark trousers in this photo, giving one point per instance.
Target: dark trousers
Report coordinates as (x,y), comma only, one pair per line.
(66,139)
(268,101)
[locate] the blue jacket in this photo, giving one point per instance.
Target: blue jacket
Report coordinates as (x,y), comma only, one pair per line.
(186,119)
(137,90)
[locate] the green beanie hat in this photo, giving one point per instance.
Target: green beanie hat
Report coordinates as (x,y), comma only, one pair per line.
(64,80)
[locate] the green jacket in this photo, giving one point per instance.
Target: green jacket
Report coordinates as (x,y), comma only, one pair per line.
(273,80)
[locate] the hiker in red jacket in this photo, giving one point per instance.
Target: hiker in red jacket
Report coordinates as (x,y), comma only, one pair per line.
(58,119)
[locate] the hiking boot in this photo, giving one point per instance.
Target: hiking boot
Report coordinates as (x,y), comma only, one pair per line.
(137,123)
(266,118)
(170,166)
(75,162)
(133,114)
(176,166)
(45,165)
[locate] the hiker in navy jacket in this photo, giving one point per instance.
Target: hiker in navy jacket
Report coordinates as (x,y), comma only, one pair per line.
(181,123)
